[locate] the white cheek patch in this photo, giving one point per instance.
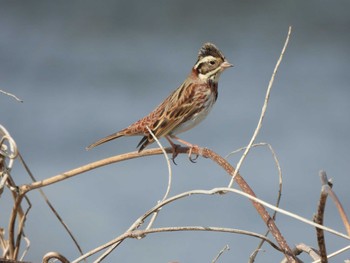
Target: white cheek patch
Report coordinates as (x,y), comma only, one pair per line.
(213,75)
(205,59)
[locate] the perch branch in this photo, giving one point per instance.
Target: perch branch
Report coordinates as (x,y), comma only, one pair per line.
(200,151)
(204,152)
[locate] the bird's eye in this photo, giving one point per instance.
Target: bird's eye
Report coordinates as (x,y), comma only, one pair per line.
(212,62)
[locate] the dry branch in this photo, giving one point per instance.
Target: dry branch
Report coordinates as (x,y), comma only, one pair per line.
(11,95)
(264,107)
(318,218)
(200,151)
(327,187)
(203,152)
(19,192)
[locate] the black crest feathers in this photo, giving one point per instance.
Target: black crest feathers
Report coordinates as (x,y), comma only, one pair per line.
(209,49)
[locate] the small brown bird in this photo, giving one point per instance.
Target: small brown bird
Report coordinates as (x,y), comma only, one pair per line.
(185,107)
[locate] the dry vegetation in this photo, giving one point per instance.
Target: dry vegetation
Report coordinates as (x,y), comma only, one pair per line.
(13,239)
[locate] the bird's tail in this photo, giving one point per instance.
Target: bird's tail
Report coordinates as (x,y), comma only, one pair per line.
(105,139)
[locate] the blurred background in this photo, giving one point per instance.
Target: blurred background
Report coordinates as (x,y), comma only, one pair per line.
(85,69)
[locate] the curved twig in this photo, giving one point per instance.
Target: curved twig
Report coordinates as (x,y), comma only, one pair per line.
(336,253)
(155,214)
(226,247)
(330,192)
(11,95)
(263,110)
(142,233)
(258,204)
(279,194)
(54,255)
(50,205)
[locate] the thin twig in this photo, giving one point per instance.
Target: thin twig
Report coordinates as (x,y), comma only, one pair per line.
(11,95)
(336,253)
(155,214)
(300,248)
(26,239)
(15,210)
(170,176)
(225,248)
(141,233)
(263,110)
(140,220)
(279,194)
(205,153)
(3,242)
(60,219)
(8,150)
(318,218)
(54,255)
(344,217)
(168,164)
(21,228)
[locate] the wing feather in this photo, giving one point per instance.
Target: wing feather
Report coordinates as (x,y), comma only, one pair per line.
(179,107)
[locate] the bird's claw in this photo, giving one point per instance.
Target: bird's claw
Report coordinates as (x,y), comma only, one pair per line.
(192,160)
(175,152)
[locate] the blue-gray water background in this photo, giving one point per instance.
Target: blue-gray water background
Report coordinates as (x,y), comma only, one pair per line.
(86,69)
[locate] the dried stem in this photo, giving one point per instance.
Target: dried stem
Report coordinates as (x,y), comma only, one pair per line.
(141,233)
(11,95)
(204,152)
(42,193)
(300,248)
(54,255)
(318,218)
(263,110)
(116,242)
(330,192)
(220,253)
(260,208)
(334,254)
(280,183)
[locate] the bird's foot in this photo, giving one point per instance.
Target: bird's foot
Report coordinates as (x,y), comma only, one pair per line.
(175,148)
(193,160)
(175,152)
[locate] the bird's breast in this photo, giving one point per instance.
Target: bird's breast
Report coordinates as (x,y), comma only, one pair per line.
(199,114)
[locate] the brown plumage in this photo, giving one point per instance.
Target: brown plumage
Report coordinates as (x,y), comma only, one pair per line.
(185,107)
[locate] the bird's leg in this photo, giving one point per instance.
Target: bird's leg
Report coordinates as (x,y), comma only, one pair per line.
(174,146)
(190,145)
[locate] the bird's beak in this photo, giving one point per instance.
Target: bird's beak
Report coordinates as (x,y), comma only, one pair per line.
(226,65)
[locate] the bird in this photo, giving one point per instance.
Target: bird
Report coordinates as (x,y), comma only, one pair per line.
(184,108)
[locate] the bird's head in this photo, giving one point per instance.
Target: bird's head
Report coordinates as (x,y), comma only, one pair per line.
(211,63)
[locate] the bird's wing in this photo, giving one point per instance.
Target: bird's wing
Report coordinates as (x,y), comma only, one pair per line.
(179,107)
